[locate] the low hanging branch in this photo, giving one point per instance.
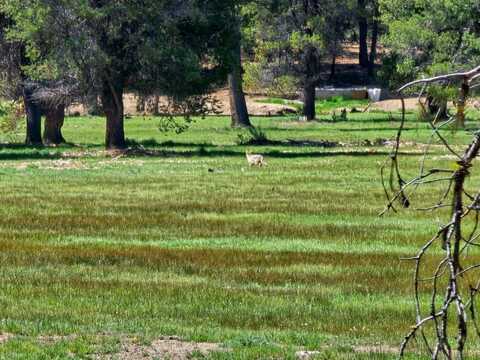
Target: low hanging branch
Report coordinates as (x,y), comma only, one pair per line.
(52,94)
(452,287)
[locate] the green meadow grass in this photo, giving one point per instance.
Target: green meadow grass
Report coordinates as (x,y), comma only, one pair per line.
(194,243)
(322,106)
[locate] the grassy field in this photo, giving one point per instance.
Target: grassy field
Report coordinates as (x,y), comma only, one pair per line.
(322,106)
(192,242)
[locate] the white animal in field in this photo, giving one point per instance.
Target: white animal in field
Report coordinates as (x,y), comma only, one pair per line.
(255,159)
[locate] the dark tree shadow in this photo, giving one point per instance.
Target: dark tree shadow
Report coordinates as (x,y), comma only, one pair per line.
(167,149)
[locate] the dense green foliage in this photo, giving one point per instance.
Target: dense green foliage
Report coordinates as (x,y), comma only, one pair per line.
(107,48)
(429,37)
(287,34)
(143,46)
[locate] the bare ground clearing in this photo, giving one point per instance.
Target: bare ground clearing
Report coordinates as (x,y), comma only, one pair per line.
(255,107)
(163,348)
(4,337)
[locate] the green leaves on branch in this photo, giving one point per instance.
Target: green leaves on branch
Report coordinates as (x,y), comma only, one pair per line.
(425,36)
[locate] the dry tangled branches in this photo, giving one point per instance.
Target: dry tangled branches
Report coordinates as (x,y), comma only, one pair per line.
(451,285)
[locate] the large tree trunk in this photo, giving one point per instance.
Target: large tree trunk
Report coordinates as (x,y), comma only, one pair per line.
(374,44)
(112,103)
(54,118)
(238,105)
(309,85)
(34,118)
(309,102)
(363,34)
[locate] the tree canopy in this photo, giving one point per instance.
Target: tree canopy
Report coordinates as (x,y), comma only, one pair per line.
(295,37)
(176,48)
(429,37)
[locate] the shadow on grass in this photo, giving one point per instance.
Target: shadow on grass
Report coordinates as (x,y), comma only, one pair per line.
(214,151)
(266,142)
(30,156)
(365,118)
(19,151)
(382,129)
(152,148)
(280,155)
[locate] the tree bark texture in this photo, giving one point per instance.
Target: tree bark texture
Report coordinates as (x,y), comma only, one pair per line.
(310,82)
(54,119)
(34,118)
(238,105)
(309,102)
(112,103)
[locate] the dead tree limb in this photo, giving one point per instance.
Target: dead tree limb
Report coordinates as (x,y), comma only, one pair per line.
(451,271)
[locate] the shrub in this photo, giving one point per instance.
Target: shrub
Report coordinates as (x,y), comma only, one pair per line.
(342,117)
(284,86)
(258,79)
(252,77)
(11,119)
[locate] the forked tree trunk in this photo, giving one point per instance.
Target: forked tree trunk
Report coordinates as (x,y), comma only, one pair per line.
(309,102)
(363,34)
(112,103)
(54,118)
(238,105)
(34,119)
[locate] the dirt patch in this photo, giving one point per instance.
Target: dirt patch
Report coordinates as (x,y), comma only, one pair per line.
(53,339)
(75,163)
(412,104)
(62,165)
(395,105)
(307,355)
(4,337)
(255,108)
(164,348)
(254,105)
(80,154)
(361,349)
(171,347)
(114,154)
(377,349)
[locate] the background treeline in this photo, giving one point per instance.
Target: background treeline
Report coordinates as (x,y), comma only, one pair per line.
(55,53)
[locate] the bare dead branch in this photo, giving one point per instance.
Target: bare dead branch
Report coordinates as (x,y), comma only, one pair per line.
(450,270)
